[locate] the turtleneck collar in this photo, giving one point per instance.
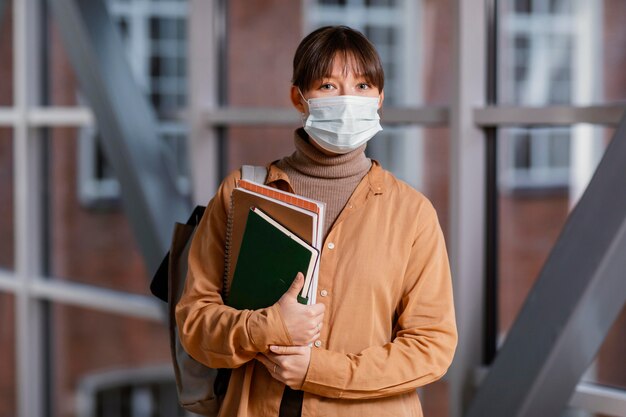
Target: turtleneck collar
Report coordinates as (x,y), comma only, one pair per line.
(310,161)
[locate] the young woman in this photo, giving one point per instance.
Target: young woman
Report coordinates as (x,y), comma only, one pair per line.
(384,320)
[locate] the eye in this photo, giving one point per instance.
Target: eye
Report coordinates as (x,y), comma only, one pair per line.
(363,86)
(326,86)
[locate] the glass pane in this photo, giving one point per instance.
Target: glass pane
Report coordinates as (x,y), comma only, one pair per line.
(259,55)
(121,364)
(542,173)
(398,29)
(418,156)
(613,55)
(412,38)
(91,239)
(7,243)
(7,356)
(257,145)
(561,52)
(610,368)
(6,53)
(63,83)
(155,41)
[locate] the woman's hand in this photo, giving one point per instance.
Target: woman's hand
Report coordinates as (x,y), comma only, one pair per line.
(287,364)
(304,322)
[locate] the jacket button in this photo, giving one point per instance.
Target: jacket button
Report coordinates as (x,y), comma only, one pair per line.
(331,245)
(323,293)
(318,343)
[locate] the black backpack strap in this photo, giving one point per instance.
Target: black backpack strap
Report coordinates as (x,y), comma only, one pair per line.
(159,284)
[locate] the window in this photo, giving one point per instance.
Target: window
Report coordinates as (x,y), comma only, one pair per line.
(155,35)
(546,63)
(536,72)
(139,392)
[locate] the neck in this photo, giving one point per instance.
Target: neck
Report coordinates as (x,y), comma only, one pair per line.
(311,161)
(328,178)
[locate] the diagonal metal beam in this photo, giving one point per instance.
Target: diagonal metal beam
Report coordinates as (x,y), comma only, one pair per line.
(126,122)
(578,295)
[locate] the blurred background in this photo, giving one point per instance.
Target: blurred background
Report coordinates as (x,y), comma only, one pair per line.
(116,116)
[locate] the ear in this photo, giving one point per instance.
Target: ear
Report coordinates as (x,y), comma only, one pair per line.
(296,99)
(382,98)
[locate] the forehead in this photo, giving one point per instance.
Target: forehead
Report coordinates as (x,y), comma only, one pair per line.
(344,66)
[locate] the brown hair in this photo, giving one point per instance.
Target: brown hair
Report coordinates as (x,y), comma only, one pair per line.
(315,55)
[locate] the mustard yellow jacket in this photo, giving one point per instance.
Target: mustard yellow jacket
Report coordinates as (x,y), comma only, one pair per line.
(389,325)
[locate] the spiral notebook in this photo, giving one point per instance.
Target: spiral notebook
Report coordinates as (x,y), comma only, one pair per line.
(303,217)
(270,256)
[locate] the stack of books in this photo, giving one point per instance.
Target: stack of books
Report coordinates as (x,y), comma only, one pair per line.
(272,235)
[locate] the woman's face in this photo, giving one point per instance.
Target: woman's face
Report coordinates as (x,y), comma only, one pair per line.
(341,82)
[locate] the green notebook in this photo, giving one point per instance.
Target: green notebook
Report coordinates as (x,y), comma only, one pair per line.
(269,258)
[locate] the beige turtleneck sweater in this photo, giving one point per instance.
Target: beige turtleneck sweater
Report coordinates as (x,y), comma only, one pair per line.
(330,179)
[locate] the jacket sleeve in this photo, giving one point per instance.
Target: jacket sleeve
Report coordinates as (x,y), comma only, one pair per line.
(211,332)
(425,335)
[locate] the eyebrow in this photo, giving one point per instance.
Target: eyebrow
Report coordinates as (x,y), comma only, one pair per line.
(356,76)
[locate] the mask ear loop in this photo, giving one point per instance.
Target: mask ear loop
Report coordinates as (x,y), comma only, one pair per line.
(302,95)
(303,115)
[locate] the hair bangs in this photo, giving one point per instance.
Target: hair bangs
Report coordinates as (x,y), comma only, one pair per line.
(316,55)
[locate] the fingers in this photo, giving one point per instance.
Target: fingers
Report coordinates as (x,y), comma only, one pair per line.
(290,364)
(302,321)
(313,313)
(288,350)
(314,323)
(317,309)
(309,325)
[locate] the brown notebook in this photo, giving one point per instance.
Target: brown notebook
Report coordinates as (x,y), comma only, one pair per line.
(303,222)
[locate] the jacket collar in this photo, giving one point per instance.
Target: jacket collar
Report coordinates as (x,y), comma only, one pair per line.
(279,179)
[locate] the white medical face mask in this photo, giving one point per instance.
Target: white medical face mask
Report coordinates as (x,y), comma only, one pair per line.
(341,124)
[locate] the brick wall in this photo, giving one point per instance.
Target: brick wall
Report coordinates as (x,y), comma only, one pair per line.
(7,316)
(262,39)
